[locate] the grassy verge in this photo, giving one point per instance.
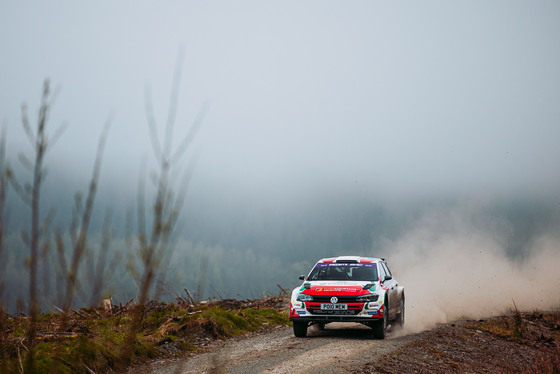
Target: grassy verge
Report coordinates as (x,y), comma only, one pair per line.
(536,329)
(517,342)
(94,341)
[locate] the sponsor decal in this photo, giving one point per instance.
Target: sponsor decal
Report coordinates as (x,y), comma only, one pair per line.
(346,264)
(338,283)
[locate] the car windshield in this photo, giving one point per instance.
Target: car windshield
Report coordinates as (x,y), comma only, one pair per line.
(344,271)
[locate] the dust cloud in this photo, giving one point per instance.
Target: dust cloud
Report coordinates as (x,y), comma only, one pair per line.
(455,264)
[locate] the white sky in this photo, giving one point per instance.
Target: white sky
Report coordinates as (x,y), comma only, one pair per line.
(414,97)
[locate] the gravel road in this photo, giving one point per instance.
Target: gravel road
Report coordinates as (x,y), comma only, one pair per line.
(339,348)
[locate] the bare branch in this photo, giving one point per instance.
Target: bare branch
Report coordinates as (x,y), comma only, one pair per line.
(53,96)
(58,133)
(44,256)
(75,222)
(100,270)
(130,246)
(27,126)
(18,188)
(152,123)
(47,221)
(189,171)
(153,242)
(39,143)
(80,245)
(173,101)
(197,124)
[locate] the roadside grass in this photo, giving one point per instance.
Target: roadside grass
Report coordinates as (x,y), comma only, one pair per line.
(517,325)
(521,327)
(516,342)
(96,342)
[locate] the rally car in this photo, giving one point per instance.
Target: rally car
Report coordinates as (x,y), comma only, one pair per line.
(348,289)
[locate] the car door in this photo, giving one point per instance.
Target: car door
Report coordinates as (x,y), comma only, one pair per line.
(392,291)
(386,285)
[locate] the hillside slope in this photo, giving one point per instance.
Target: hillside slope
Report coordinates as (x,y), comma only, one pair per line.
(519,342)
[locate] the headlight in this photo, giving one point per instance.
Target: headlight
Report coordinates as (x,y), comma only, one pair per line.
(371,297)
(304,297)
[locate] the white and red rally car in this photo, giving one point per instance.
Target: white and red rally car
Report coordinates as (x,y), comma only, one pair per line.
(348,289)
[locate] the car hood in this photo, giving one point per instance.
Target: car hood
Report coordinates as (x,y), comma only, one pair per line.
(339,288)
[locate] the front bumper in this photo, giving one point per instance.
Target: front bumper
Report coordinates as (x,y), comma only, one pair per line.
(311,318)
(356,312)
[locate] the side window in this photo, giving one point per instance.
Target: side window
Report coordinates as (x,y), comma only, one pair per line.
(382,272)
(386,267)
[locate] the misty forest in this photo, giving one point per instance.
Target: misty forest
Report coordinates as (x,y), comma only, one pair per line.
(82,247)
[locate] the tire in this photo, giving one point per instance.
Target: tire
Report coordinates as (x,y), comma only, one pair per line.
(300,329)
(380,327)
(400,317)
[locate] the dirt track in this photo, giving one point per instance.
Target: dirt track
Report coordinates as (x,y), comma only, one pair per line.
(337,349)
(522,343)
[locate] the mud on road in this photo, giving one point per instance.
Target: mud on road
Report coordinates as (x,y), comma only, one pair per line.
(336,349)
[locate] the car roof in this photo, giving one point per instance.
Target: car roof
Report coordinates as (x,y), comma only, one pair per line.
(347,259)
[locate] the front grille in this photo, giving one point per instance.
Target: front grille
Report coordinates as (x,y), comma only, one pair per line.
(349,312)
(341,299)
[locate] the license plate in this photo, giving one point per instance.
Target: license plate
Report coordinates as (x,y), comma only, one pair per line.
(334,306)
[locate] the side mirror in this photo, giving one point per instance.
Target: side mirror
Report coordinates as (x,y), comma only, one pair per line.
(302,277)
(387,278)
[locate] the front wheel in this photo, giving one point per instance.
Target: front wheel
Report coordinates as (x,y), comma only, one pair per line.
(300,329)
(380,327)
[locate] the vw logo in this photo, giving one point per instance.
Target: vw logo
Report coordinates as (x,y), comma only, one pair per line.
(334,300)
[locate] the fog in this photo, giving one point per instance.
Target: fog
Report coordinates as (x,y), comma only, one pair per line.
(455,265)
(425,133)
(399,97)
